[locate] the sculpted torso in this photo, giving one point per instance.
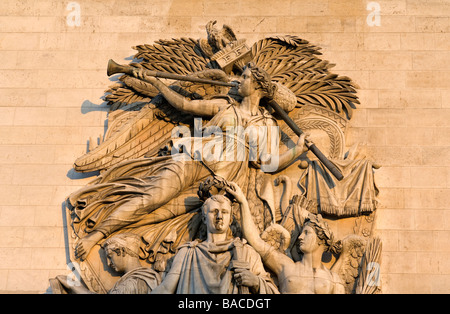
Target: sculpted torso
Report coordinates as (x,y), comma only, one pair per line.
(306,276)
(299,279)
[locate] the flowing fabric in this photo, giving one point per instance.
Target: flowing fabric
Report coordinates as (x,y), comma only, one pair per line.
(205,268)
(354,195)
(153,190)
(141,280)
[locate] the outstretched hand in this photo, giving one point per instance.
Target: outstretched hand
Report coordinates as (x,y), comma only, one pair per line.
(140,74)
(236,191)
(85,244)
(304,140)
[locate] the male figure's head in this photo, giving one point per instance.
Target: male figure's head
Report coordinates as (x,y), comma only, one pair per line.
(217,214)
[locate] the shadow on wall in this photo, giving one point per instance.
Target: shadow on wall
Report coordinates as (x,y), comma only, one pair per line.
(73,175)
(88,106)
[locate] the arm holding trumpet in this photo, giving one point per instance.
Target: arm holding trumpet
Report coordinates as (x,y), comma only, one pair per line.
(199,107)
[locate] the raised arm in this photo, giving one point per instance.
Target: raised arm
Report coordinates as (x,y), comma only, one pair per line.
(272,258)
(197,107)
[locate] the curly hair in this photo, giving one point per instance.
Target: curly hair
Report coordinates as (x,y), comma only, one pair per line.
(124,243)
(323,233)
(263,80)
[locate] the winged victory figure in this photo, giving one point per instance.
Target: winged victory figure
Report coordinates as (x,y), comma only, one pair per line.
(143,189)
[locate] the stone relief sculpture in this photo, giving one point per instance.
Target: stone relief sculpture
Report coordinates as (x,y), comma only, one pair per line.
(166,178)
(221,264)
(309,275)
(185,111)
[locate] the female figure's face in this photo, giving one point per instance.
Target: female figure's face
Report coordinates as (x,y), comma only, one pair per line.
(246,87)
(308,241)
(115,260)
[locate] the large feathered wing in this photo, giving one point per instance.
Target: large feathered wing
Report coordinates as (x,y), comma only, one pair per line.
(140,121)
(349,262)
(295,63)
(277,236)
(369,281)
(359,264)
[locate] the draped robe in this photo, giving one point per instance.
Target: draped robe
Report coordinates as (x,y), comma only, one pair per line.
(206,268)
(147,191)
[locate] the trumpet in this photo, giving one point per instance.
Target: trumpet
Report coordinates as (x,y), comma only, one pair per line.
(114,68)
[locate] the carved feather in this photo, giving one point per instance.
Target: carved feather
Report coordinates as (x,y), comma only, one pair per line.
(348,264)
(290,60)
(277,236)
(369,280)
(136,130)
(179,56)
(294,62)
(139,130)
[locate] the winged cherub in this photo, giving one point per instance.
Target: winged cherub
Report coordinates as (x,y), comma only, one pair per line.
(309,275)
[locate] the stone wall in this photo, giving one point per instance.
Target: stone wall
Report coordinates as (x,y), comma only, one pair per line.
(53,74)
